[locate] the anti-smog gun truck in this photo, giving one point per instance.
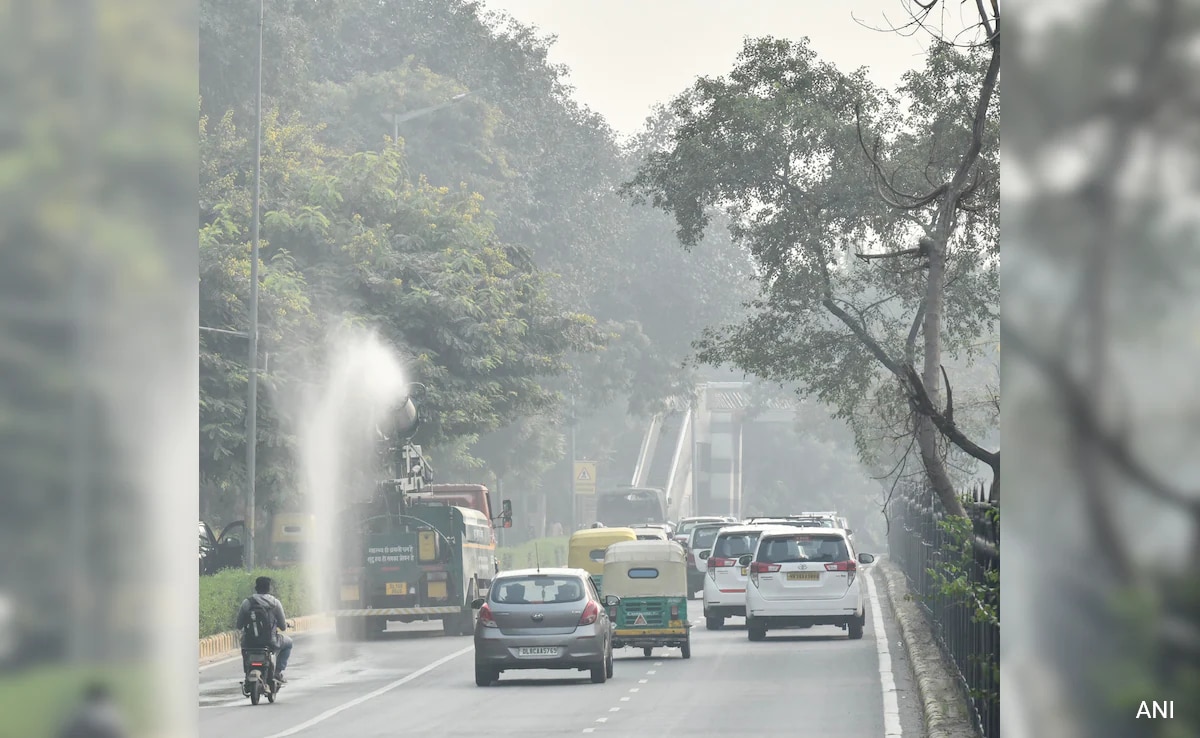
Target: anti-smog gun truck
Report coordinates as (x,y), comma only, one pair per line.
(415,550)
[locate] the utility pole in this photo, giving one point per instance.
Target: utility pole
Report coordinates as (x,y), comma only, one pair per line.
(571,471)
(252,383)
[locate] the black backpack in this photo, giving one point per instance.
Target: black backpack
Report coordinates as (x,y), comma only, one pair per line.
(259,631)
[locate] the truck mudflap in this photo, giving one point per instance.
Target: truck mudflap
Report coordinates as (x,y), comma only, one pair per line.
(397,611)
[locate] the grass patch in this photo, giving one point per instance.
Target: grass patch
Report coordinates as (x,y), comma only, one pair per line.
(222,593)
(38,702)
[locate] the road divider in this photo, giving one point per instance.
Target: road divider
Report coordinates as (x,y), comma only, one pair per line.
(224,645)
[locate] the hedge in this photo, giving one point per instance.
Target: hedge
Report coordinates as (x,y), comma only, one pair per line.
(546,551)
(221,595)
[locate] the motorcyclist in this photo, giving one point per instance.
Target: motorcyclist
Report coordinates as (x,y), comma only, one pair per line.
(283,643)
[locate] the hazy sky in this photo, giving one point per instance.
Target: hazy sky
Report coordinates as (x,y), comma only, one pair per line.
(627,55)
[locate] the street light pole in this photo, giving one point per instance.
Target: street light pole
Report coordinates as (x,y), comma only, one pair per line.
(252,383)
(398,118)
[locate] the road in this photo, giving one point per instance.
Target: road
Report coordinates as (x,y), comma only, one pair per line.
(415,681)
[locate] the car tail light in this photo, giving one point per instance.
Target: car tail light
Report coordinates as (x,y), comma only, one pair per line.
(717,561)
(849,566)
(486,618)
(612,613)
(691,559)
(591,613)
(674,612)
(759,567)
(256,663)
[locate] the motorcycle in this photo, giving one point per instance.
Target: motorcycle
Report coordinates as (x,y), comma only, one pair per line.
(260,678)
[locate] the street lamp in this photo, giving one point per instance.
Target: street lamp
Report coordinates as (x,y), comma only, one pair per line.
(398,118)
(252,384)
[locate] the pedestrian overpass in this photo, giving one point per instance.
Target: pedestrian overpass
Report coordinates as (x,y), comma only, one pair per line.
(694,452)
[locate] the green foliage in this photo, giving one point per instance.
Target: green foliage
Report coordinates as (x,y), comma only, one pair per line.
(35,703)
(775,146)
(959,581)
(520,183)
(221,595)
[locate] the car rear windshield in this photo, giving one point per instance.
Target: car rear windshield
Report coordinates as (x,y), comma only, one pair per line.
(734,545)
(537,590)
(787,549)
(704,537)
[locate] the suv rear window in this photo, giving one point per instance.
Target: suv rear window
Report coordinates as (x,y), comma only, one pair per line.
(734,545)
(537,590)
(787,549)
(703,537)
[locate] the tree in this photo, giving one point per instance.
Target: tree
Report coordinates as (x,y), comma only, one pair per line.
(364,243)
(778,145)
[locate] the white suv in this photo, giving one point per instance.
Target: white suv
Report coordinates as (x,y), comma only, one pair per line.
(725,579)
(804,577)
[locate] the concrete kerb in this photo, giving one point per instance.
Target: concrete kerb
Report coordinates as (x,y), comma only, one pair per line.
(224,645)
(943,703)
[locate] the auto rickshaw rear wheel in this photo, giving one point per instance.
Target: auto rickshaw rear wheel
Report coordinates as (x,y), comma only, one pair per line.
(646,651)
(687,648)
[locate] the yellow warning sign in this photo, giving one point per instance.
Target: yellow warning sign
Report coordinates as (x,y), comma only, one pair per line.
(640,619)
(585,477)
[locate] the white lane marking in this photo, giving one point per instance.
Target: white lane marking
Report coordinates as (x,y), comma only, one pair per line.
(372,695)
(602,720)
(624,699)
(589,730)
(652,671)
(658,663)
(643,681)
(891,705)
(633,689)
(614,709)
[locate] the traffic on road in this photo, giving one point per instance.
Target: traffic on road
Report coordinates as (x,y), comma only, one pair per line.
(562,653)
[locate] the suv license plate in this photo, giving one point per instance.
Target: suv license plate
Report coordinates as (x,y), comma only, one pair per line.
(803,576)
(743,571)
(396,588)
(537,651)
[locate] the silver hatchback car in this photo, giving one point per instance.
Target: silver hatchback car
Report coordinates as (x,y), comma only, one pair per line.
(543,619)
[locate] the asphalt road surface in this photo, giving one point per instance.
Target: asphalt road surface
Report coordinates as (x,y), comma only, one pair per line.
(415,681)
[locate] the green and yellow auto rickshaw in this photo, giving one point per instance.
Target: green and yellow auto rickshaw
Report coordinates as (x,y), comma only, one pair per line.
(649,578)
(587,547)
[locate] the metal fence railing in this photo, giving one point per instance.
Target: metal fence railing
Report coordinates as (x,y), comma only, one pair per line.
(964,618)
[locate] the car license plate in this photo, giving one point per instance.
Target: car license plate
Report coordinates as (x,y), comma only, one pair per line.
(397,588)
(537,651)
(803,576)
(743,571)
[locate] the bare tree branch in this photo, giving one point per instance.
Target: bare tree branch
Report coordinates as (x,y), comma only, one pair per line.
(947,428)
(910,343)
(881,180)
(1085,419)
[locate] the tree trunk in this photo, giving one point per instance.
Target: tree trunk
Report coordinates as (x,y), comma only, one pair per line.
(927,434)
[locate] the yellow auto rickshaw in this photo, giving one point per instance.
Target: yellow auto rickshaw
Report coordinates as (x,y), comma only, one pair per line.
(649,581)
(586,549)
(291,534)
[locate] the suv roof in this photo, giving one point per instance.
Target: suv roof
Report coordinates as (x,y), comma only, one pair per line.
(785,530)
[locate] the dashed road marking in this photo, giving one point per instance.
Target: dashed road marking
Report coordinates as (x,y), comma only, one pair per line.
(891,706)
(658,663)
(643,681)
(624,699)
(602,720)
(633,689)
(589,730)
(372,695)
(652,671)
(614,709)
